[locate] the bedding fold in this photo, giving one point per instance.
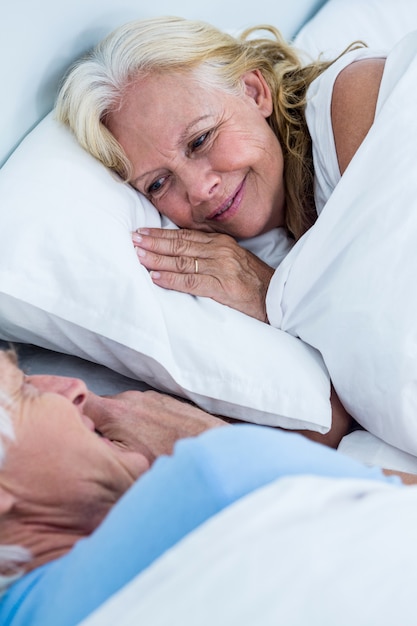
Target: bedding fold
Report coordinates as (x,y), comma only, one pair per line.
(348,286)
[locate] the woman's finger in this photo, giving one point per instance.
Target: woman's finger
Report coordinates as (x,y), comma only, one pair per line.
(179,264)
(197,236)
(180,242)
(194,284)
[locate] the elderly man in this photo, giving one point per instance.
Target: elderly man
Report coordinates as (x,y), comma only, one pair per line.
(92,490)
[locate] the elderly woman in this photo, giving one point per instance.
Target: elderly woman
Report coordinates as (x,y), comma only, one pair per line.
(69,540)
(220,134)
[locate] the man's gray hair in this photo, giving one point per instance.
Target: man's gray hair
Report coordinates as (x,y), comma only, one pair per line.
(11,557)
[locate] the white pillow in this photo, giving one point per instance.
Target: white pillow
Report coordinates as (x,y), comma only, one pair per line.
(371,450)
(70,281)
(379,23)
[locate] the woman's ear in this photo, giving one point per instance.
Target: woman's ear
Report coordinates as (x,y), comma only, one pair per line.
(7,501)
(258,90)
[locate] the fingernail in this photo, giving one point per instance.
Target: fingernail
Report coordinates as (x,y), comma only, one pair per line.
(154,274)
(140,252)
(144,231)
(136,238)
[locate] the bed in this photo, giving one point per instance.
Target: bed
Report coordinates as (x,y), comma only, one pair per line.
(74,300)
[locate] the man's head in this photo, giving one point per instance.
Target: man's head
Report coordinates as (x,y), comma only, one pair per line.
(58,477)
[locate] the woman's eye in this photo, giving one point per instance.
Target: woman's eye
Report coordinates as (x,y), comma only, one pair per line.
(156,185)
(197,143)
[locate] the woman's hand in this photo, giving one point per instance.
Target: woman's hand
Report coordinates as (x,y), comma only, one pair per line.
(205,264)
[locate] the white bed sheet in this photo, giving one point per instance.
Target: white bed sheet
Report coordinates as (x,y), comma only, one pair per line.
(302,551)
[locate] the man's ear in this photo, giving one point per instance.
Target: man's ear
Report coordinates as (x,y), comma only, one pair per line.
(7,500)
(257,88)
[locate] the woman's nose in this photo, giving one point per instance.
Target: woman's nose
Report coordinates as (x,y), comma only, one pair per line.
(201,186)
(73,389)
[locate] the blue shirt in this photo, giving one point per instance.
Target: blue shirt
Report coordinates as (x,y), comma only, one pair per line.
(180,492)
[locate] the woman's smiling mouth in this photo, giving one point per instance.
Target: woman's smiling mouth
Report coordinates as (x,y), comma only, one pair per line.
(231,206)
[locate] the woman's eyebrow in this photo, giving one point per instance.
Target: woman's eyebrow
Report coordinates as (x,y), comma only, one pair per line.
(182,138)
(135,181)
(188,129)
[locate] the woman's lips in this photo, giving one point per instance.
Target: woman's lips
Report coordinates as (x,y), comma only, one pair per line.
(231,206)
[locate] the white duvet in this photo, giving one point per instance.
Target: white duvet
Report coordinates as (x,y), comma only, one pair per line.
(349,286)
(303,551)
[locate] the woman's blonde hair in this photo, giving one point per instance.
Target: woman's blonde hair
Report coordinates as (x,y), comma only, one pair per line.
(95,85)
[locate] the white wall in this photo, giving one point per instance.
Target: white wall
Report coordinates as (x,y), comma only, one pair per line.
(40,38)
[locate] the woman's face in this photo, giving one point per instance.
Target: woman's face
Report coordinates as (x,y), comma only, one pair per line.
(206,159)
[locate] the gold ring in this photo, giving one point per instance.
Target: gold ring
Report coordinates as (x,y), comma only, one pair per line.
(195,266)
